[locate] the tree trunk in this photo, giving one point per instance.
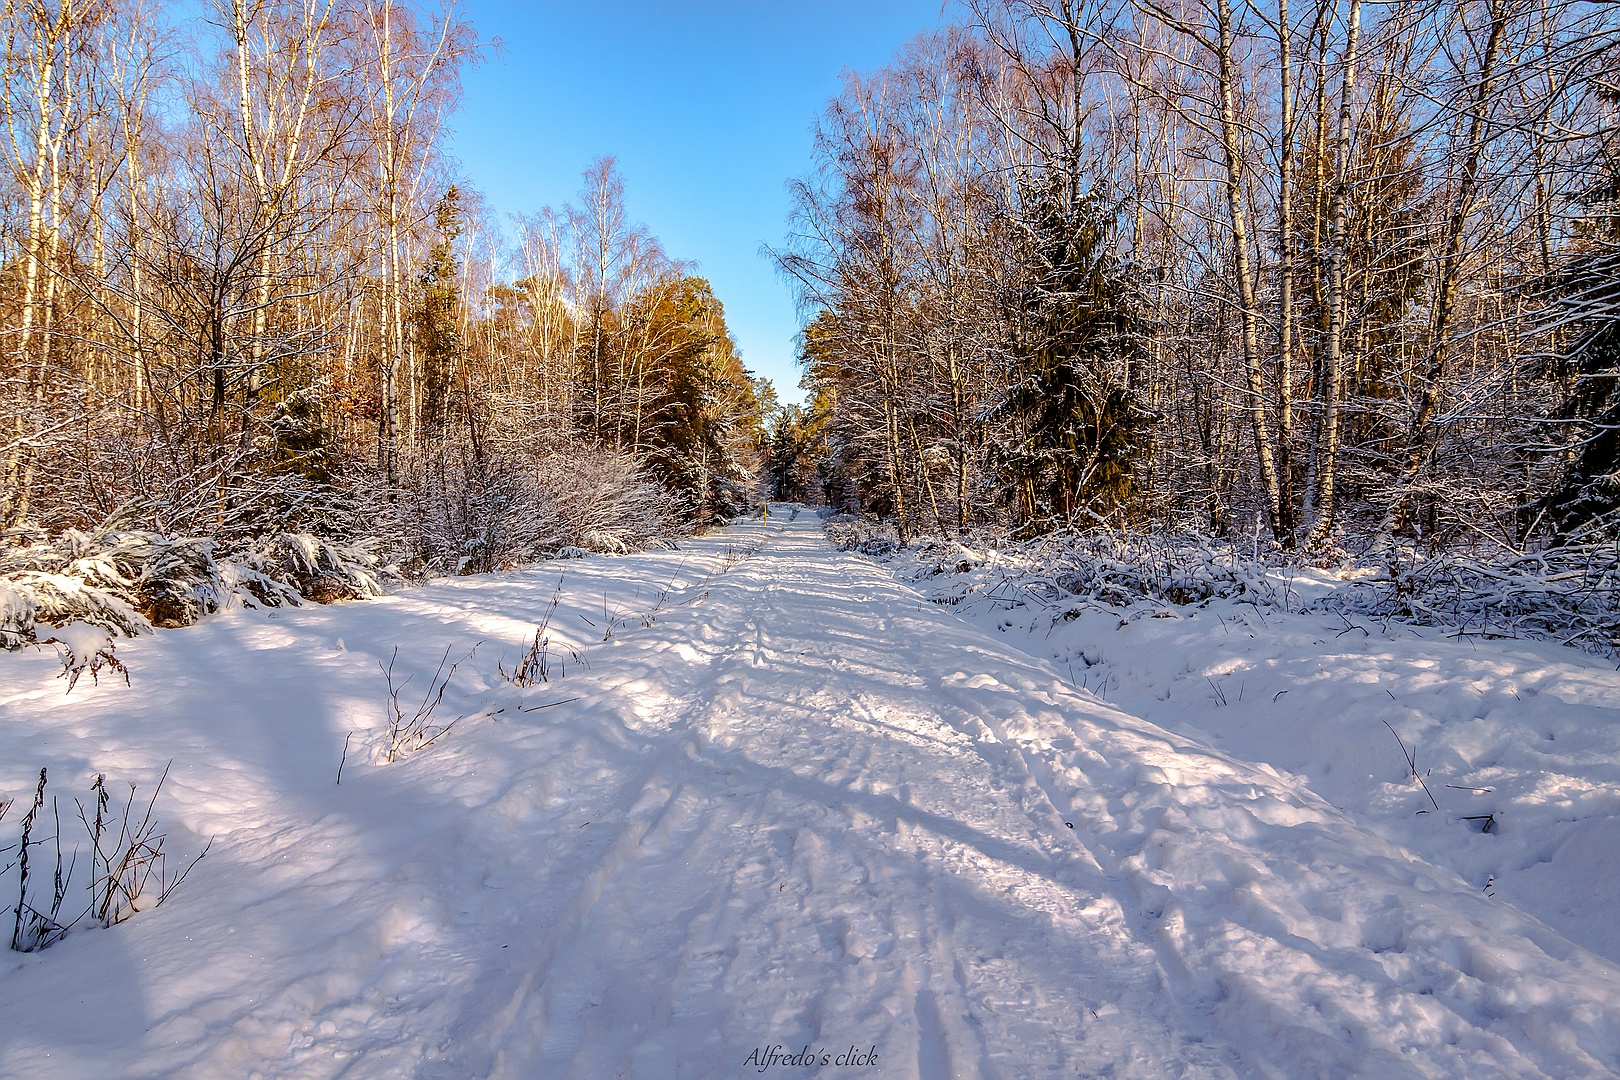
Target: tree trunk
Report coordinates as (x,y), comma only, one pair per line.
(1419,437)
(1336,303)
(1285,288)
(1230,135)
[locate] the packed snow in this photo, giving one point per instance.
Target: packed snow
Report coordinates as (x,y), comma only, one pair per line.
(773,801)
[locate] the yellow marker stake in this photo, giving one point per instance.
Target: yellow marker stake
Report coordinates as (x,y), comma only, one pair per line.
(765,513)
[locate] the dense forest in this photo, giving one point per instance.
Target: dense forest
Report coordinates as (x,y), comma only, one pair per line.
(244,295)
(1330,274)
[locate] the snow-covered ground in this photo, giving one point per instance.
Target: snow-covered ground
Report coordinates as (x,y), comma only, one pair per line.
(1517,742)
(786,801)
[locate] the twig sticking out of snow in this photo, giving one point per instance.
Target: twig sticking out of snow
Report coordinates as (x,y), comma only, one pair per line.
(417,731)
(736,553)
(535,666)
(125,863)
(128,865)
(31,928)
(1411,763)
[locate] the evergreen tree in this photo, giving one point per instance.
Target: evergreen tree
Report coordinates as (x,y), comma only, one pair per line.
(796,451)
(1071,424)
(1589,491)
(699,422)
(435,318)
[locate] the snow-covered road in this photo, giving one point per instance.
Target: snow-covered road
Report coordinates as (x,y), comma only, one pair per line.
(794,806)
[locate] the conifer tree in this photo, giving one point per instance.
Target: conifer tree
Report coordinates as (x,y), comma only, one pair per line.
(1070,423)
(437,315)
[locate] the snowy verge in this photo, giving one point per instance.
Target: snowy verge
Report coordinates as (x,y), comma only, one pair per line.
(127,582)
(331,923)
(1570,595)
(1497,758)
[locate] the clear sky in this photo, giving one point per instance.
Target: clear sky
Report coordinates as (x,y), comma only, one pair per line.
(706,105)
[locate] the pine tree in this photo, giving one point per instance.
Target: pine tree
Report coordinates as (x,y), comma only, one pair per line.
(1589,492)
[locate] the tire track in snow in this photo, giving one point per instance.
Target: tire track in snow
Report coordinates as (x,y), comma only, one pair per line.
(870,915)
(521,1031)
(943,1024)
(1055,810)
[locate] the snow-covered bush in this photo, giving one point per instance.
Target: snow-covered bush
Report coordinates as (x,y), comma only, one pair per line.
(1104,567)
(283,567)
(466,517)
(29,599)
(1119,569)
(107,578)
(1570,594)
(863,533)
(599,500)
(126,582)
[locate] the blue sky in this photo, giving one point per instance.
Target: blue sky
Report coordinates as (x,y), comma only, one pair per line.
(707,107)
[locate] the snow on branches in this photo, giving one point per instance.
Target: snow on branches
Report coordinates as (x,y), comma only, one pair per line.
(125,582)
(1570,594)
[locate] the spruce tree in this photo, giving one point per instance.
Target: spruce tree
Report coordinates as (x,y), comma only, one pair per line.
(1073,424)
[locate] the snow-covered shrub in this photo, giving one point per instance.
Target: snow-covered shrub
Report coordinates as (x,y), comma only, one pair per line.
(1570,594)
(446,517)
(91,578)
(1096,566)
(1119,569)
(29,599)
(178,581)
(468,517)
(284,567)
(598,499)
(125,582)
(863,533)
